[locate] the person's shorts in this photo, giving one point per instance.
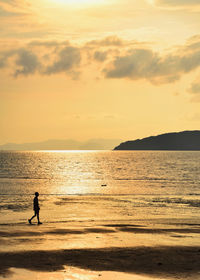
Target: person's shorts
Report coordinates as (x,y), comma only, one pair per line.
(36,211)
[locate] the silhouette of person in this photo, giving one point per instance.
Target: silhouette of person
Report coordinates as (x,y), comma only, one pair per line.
(36,208)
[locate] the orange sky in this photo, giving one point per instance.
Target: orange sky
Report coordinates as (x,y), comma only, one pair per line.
(86,69)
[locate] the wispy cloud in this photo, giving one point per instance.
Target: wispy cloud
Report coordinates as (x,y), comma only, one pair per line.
(4,13)
(177,5)
(20,21)
(177,2)
(195,88)
(47,44)
(14,7)
(108,41)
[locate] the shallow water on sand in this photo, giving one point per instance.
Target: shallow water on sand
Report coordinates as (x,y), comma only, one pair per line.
(75,274)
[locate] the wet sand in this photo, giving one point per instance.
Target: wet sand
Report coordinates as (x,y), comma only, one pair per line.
(99,250)
(158,261)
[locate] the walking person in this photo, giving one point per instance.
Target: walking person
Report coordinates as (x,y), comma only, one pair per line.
(36,208)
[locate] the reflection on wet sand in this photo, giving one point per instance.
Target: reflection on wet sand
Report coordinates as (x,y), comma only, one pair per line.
(93,248)
(154,251)
(73,273)
(103,229)
(163,261)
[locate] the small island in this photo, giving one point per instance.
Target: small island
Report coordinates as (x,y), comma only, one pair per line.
(178,141)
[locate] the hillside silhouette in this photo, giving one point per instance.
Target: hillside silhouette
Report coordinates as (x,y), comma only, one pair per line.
(185,140)
(65,144)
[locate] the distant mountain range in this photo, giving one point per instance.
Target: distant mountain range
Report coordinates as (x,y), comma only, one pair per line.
(185,140)
(69,144)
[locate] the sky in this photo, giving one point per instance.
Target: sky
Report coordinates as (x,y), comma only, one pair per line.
(112,69)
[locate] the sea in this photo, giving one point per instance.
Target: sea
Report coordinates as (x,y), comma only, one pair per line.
(100,185)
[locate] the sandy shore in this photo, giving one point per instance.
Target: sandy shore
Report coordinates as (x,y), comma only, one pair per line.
(98,250)
(160,261)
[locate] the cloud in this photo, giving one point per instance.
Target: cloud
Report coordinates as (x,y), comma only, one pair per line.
(48,44)
(157,68)
(174,3)
(100,56)
(108,41)
(192,45)
(8,1)
(18,21)
(27,63)
(14,3)
(13,7)
(68,58)
(5,13)
(131,60)
(113,42)
(3,59)
(135,64)
(195,88)
(144,64)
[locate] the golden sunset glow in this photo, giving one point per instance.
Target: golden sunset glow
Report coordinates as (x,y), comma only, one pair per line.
(99,139)
(83,69)
(77,2)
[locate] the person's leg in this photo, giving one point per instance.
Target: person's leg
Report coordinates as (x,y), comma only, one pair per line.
(38,218)
(32,218)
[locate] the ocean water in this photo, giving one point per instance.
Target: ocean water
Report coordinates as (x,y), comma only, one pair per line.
(100,185)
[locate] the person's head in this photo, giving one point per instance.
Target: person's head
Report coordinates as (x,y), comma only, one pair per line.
(36,194)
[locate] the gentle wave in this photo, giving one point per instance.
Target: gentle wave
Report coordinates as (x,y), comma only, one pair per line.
(192,203)
(24,178)
(154,179)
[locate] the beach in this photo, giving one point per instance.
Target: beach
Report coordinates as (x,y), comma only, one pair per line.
(127,235)
(95,248)
(89,249)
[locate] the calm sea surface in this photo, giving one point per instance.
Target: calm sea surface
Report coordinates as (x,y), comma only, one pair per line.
(112,182)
